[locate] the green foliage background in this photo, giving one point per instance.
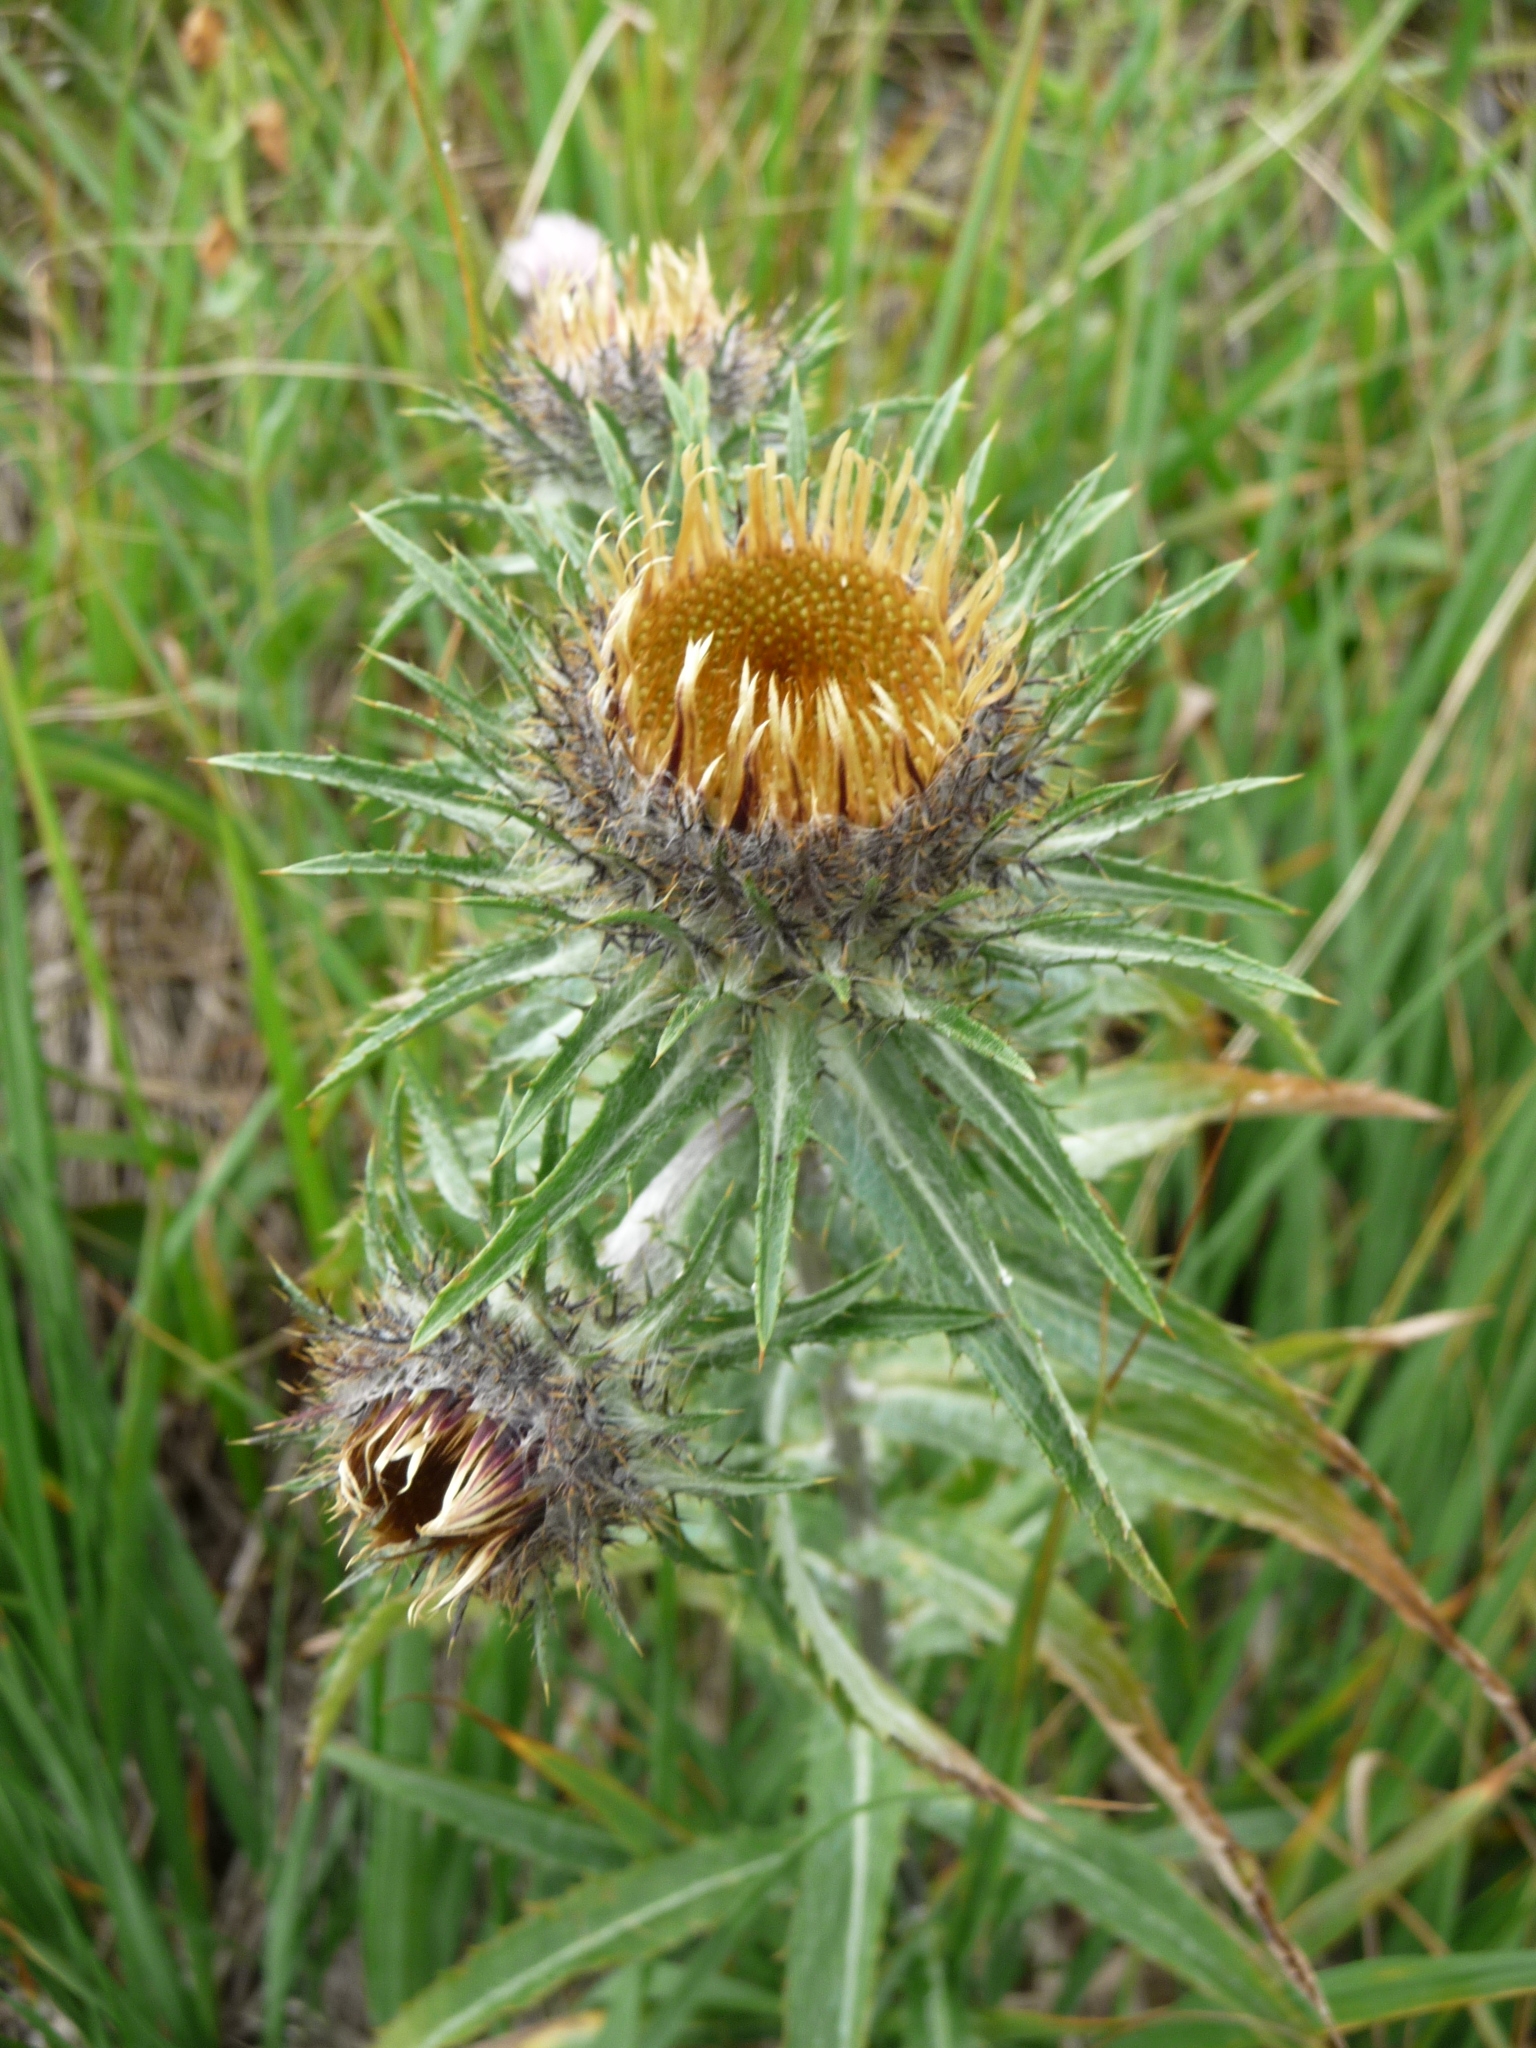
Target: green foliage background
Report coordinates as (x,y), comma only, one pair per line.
(1278,262)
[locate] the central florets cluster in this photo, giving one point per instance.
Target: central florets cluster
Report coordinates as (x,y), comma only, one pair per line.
(806,668)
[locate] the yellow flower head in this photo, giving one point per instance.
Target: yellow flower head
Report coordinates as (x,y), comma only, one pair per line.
(787,721)
(810,666)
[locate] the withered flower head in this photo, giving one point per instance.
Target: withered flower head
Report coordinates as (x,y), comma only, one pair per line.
(795,726)
(499,1451)
(607,338)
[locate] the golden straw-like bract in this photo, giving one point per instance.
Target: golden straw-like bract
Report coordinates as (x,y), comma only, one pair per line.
(812,666)
(573,321)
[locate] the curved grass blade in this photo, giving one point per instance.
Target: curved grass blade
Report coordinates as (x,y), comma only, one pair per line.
(1079,1650)
(879,1704)
(484,1811)
(1395,1987)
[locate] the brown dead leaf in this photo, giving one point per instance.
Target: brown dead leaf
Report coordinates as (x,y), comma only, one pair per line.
(1080,1653)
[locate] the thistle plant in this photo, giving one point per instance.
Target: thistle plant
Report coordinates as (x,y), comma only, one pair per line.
(614,347)
(795,929)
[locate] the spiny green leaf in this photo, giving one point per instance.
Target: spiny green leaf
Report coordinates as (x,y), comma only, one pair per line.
(1018,1126)
(948,1020)
(648,1100)
(473,875)
(927,1204)
(622,1006)
(425,789)
(1075,708)
(1081,513)
(1113,882)
(487,973)
(1109,818)
(1055,939)
(784,1067)
(618,468)
(1055,625)
(461,589)
(443,1153)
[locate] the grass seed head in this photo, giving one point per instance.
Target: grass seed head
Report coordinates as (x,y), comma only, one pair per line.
(486,1460)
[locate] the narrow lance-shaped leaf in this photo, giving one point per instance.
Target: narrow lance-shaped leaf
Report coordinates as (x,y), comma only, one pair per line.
(648,1100)
(1081,513)
(1019,1127)
(784,1060)
(950,1021)
(461,589)
(1132,1107)
(935,429)
(1076,708)
(854,1803)
(1056,939)
(924,1202)
(1053,626)
(470,874)
(1332,1912)
(599,1924)
(442,1151)
(1071,833)
(1110,881)
(1396,1987)
(1118,1885)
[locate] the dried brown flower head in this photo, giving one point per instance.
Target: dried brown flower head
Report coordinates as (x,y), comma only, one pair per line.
(202,38)
(608,338)
(216,247)
(268,125)
(794,727)
(487,1459)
